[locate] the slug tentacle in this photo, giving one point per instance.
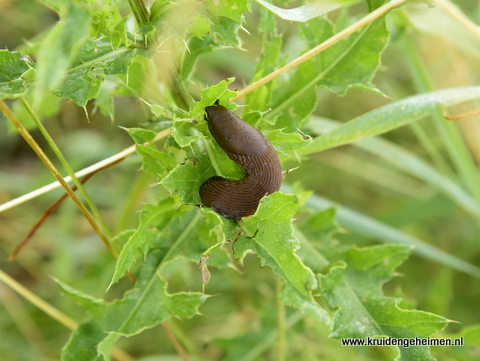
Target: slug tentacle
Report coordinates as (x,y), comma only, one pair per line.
(248,147)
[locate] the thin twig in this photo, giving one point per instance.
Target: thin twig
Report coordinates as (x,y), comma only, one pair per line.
(93,168)
(326,44)
(175,343)
(52,208)
(455,13)
(43,157)
(56,150)
(471,113)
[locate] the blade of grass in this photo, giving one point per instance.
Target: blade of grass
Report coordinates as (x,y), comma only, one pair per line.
(408,162)
(66,166)
(392,116)
(453,141)
(433,151)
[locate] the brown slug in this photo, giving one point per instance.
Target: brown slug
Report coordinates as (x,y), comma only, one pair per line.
(248,147)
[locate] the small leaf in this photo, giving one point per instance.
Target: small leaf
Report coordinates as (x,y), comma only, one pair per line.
(118,35)
(60,48)
(269,234)
(141,135)
(288,142)
(16,73)
(210,95)
(197,47)
(232,9)
(95,59)
(152,218)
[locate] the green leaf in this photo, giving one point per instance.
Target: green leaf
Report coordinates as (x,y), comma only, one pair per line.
(213,93)
(184,132)
(83,342)
(371,228)
(104,99)
(191,234)
(232,9)
(119,34)
(269,234)
(225,31)
(95,59)
(269,61)
(60,48)
(152,219)
(187,177)
(141,135)
(391,116)
(215,25)
(104,19)
(308,11)
(16,73)
(288,142)
(351,62)
(352,285)
(204,161)
(153,160)
(197,46)
(145,306)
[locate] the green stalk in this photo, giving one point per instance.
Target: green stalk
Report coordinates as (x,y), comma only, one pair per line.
(432,151)
(67,167)
(264,344)
(280,323)
(184,339)
(139,11)
(41,154)
(451,137)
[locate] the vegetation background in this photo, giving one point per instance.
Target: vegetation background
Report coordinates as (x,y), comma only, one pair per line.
(100,73)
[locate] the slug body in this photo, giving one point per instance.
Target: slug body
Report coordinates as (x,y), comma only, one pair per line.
(248,147)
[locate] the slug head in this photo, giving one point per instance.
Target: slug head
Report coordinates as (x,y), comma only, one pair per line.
(234,135)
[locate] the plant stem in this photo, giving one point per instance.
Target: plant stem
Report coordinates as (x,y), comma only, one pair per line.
(43,157)
(85,171)
(66,166)
(280,322)
(175,343)
(185,340)
(139,11)
(374,15)
(432,150)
